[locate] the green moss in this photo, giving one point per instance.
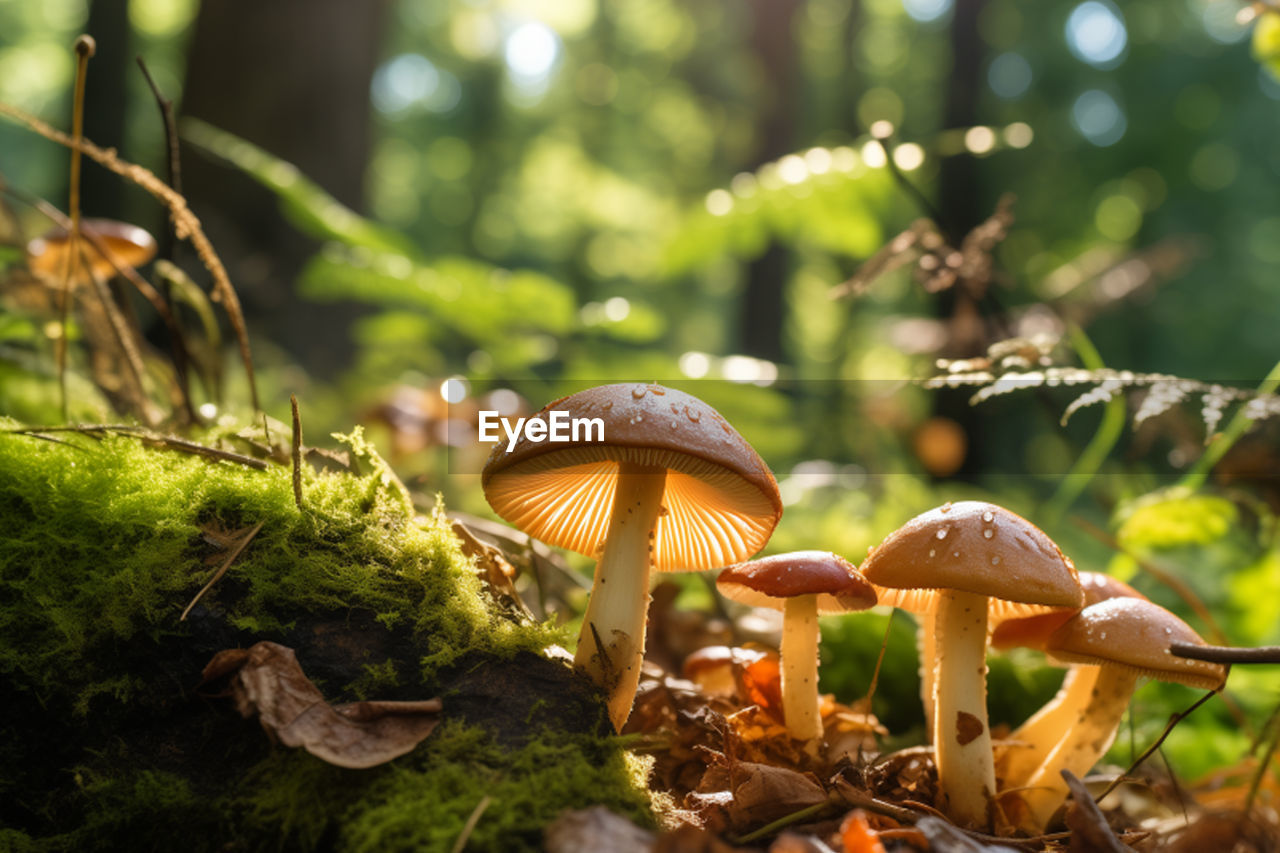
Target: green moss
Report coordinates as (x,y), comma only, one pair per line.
(104,546)
(424,805)
(423,801)
(102,744)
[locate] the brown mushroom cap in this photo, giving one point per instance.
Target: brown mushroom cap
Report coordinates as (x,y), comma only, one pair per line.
(769,581)
(976,547)
(128,244)
(1133,633)
(1032,631)
(720,504)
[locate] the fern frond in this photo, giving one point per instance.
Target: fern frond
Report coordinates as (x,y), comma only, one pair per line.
(1019,364)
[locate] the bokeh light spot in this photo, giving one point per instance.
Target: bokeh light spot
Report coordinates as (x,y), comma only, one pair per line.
(1009,75)
(1098,118)
(927,10)
(1096,33)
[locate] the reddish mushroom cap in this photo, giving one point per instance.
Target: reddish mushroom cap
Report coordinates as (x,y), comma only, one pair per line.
(976,547)
(769,581)
(720,503)
(1136,634)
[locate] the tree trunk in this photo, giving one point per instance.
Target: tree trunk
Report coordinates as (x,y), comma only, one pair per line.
(291,76)
(773,41)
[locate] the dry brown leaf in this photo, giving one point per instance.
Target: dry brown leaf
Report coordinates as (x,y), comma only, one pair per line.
(762,793)
(267,680)
(593,830)
(493,567)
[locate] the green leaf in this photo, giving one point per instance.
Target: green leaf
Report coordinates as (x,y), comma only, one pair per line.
(1176,518)
(470,297)
(312,210)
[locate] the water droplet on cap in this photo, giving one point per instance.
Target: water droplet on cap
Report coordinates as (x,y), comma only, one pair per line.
(942,534)
(638,392)
(988,533)
(995,561)
(988,516)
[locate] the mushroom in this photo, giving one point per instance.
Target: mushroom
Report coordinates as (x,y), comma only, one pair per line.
(1127,639)
(969,552)
(127,245)
(717,669)
(1042,731)
(669,486)
(802,585)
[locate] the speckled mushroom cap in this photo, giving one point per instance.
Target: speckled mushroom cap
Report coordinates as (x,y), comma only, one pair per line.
(976,547)
(770,581)
(1032,631)
(721,501)
(128,244)
(1133,633)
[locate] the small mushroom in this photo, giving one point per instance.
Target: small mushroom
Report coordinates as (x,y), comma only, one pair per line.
(1042,731)
(127,245)
(670,486)
(716,669)
(802,585)
(969,552)
(1127,639)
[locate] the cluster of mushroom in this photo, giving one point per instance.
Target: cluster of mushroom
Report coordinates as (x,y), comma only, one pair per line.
(674,487)
(974,572)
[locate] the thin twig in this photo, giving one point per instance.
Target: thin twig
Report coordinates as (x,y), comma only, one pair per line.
(170,128)
(1227,654)
(297,451)
(170,442)
(909,188)
(470,826)
(222,569)
(85,48)
(1146,753)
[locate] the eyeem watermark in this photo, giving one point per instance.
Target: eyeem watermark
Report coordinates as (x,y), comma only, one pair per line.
(558,426)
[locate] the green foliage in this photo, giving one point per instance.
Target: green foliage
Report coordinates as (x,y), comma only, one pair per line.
(826,199)
(1176,518)
(1266,42)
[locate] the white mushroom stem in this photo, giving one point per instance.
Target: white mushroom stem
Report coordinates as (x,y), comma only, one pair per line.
(1043,730)
(1090,737)
(961,738)
(800,667)
(927,648)
(620,593)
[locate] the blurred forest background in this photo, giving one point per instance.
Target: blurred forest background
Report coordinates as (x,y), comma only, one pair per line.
(532,196)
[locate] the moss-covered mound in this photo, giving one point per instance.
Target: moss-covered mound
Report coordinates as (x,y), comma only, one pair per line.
(105,742)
